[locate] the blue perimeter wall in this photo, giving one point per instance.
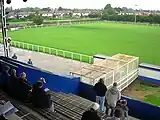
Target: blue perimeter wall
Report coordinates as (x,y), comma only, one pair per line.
(54,82)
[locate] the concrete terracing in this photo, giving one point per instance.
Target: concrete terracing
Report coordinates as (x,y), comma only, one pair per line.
(57,65)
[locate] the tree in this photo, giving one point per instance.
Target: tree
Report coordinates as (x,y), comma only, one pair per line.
(105,15)
(31,16)
(60,9)
(81,15)
(95,15)
(70,14)
(38,20)
(46,9)
(118,9)
(17,12)
(108,8)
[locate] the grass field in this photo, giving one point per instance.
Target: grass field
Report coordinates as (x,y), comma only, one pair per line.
(98,38)
(144,92)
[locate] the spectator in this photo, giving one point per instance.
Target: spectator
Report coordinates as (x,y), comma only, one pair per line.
(117,115)
(30,62)
(123,105)
(100,90)
(42,80)
(13,74)
(112,96)
(36,85)
(9,43)
(5,79)
(14,57)
(40,99)
(92,113)
(23,77)
(24,88)
(13,82)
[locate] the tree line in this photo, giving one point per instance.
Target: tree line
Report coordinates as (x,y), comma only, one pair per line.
(112,14)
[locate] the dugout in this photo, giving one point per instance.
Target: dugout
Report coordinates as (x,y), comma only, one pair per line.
(119,68)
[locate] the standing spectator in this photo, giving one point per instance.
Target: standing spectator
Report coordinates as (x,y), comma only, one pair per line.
(30,62)
(92,113)
(117,115)
(100,90)
(112,96)
(14,56)
(9,43)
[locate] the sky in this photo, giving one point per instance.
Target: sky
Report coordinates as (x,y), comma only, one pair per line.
(93,4)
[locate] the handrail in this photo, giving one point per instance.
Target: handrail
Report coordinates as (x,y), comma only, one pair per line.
(49,50)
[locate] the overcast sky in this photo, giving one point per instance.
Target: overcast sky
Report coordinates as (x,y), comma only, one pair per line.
(98,4)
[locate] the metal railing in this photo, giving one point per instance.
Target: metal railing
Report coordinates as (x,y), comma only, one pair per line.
(53,51)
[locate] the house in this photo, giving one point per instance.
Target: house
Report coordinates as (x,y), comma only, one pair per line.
(46,13)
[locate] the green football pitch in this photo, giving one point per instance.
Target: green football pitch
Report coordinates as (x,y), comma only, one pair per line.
(98,38)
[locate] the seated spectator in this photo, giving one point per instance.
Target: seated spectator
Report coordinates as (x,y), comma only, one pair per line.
(24,88)
(30,62)
(113,95)
(40,99)
(5,79)
(36,85)
(13,75)
(14,57)
(123,105)
(13,83)
(42,80)
(117,115)
(92,113)
(23,77)
(24,91)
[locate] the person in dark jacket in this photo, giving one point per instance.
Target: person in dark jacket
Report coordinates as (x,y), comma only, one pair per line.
(24,87)
(13,83)
(123,105)
(14,57)
(117,114)
(30,62)
(100,90)
(92,113)
(36,85)
(5,79)
(40,99)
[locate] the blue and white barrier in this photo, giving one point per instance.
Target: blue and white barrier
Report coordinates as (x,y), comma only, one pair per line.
(149,73)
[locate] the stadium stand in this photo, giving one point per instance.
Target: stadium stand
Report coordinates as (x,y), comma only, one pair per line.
(22,113)
(68,105)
